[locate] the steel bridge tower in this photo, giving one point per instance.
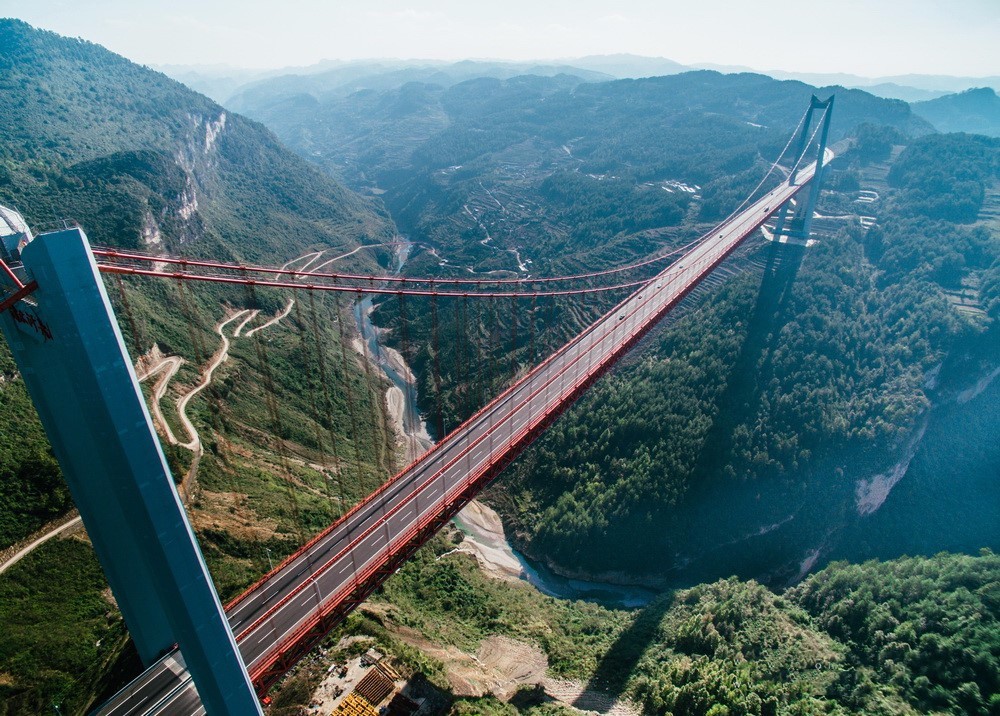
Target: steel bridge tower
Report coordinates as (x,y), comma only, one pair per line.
(69,350)
(796,222)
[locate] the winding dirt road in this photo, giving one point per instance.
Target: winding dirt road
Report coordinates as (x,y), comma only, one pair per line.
(220,357)
(282,314)
(168,366)
(38,542)
(155,363)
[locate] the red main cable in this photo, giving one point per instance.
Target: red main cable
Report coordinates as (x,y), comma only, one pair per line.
(117,255)
(211,278)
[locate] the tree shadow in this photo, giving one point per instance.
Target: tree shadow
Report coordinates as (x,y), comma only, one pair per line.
(618,663)
(530,696)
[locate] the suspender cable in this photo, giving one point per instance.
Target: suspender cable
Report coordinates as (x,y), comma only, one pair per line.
(277,429)
(477,354)
(312,390)
(378,414)
(531,334)
(342,339)
(458,376)
(436,348)
(513,339)
(137,341)
(324,379)
(411,419)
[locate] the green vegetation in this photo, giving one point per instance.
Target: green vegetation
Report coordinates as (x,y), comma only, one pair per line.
(531,704)
(735,648)
(31,489)
(142,162)
(874,143)
(926,627)
(909,635)
(906,636)
(771,377)
(598,210)
(61,631)
(946,176)
(450,600)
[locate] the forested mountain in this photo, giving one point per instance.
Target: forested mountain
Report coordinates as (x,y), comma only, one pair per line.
(907,94)
(140,161)
(624,65)
(80,120)
(541,145)
(554,110)
(976,111)
(773,403)
(781,395)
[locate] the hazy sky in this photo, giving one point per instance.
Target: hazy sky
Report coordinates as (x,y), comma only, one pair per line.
(867,37)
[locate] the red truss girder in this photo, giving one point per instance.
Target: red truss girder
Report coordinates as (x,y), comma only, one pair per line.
(320,622)
(314,629)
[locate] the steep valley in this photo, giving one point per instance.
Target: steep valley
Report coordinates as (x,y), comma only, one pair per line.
(771,491)
(806,410)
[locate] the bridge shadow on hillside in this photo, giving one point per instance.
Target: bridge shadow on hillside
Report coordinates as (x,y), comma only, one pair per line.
(618,663)
(771,311)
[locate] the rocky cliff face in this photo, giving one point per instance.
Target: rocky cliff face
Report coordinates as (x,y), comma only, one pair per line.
(166,162)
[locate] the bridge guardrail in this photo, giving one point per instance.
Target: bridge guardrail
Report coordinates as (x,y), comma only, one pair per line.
(393,545)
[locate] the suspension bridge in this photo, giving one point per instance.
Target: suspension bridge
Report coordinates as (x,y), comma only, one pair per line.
(288,611)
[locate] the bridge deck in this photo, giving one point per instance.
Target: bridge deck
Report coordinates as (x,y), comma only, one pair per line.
(294,606)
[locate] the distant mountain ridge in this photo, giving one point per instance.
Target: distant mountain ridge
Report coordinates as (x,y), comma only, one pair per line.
(342,81)
(897,91)
(626,66)
(373,131)
(976,111)
(222,83)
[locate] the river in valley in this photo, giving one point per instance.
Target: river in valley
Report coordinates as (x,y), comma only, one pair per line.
(488,535)
(492,547)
